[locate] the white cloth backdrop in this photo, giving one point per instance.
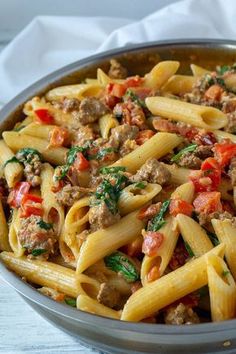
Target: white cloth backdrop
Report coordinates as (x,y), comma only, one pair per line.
(49,43)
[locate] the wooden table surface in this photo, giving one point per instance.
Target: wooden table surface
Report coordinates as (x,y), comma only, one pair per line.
(22,330)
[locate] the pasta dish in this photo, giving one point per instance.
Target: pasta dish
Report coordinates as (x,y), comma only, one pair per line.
(118,194)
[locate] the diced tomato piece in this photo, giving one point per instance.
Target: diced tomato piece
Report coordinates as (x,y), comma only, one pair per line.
(209,178)
(179,206)
(149,211)
(163,125)
(152,242)
(133,81)
(205,138)
(226,205)
(17,193)
(116,90)
(142,92)
(58,137)
(134,248)
(208,202)
(44,116)
(81,163)
(143,136)
(214,93)
(153,274)
(224,152)
(31,205)
(111,101)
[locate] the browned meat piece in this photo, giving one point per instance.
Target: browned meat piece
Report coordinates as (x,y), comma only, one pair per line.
(3,190)
(232,171)
(189,160)
(68,195)
(32,167)
(206,218)
(127,147)
(122,133)
(82,135)
(180,315)
(70,105)
(100,217)
(153,171)
(231,126)
(204,151)
(117,71)
(34,237)
(108,295)
(91,109)
(130,113)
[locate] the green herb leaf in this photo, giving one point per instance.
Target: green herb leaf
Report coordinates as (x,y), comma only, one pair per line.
(158,221)
(110,170)
(189,148)
(189,250)
(140,185)
(38,251)
(223,69)
(23,154)
(70,302)
(102,153)
(44,225)
(12,160)
(119,263)
(225,273)
(130,94)
(72,154)
(213,238)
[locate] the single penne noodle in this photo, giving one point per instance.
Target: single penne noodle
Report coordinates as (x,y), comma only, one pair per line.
(165,251)
(53,211)
(157,146)
(23,123)
(198,70)
(221,135)
(160,74)
(132,198)
(42,131)
(4,241)
(85,303)
(179,175)
(179,84)
(170,233)
(13,171)
(17,141)
(171,287)
(79,91)
(50,274)
(222,289)
(120,284)
(13,234)
(103,79)
(196,115)
(194,235)
(77,216)
(91,81)
(225,232)
(106,123)
(69,254)
(123,232)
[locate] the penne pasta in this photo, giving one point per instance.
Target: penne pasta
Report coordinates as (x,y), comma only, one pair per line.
(196,115)
(198,70)
(124,231)
(171,287)
(79,91)
(4,242)
(42,131)
(160,74)
(157,146)
(106,123)
(17,141)
(222,289)
(13,171)
(85,303)
(179,84)
(15,244)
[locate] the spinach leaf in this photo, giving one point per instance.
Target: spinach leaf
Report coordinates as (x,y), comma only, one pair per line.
(213,238)
(102,153)
(140,185)
(119,263)
(189,250)
(22,154)
(38,251)
(178,156)
(225,273)
(13,159)
(70,301)
(158,221)
(72,154)
(44,225)
(221,70)
(130,94)
(110,170)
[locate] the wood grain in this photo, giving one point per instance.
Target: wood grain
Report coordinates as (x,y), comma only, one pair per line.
(22,330)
